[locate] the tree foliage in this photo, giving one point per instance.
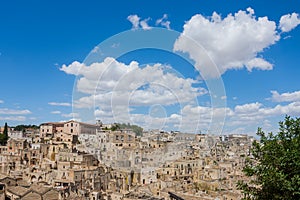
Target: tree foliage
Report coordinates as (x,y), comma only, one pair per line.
(22,127)
(274,168)
(136,129)
(4,135)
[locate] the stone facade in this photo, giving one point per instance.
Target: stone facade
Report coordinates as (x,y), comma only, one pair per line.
(75,160)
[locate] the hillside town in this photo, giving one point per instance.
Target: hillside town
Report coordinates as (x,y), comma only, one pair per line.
(76,160)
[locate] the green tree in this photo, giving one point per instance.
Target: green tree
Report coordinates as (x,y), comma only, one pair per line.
(274,168)
(136,129)
(4,135)
(115,127)
(23,127)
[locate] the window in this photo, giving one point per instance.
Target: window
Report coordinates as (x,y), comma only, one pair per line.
(71,124)
(71,130)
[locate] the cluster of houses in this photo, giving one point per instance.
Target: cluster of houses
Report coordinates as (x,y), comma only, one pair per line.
(75,160)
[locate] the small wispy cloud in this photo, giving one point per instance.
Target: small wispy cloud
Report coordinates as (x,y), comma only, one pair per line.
(56,112)
(144,24)
(135,21)
(138,23)
(115,45)
(13,118)
(59,104)
(163,22)
(70,115)
(6,111)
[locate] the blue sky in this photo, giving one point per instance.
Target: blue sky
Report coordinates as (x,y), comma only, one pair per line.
(38,39)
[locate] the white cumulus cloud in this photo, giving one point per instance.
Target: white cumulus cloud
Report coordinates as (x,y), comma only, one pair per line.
(232,42)
(143,85)
(289,22)
(113,87)
(247,108)
(285,97)
(249,116)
